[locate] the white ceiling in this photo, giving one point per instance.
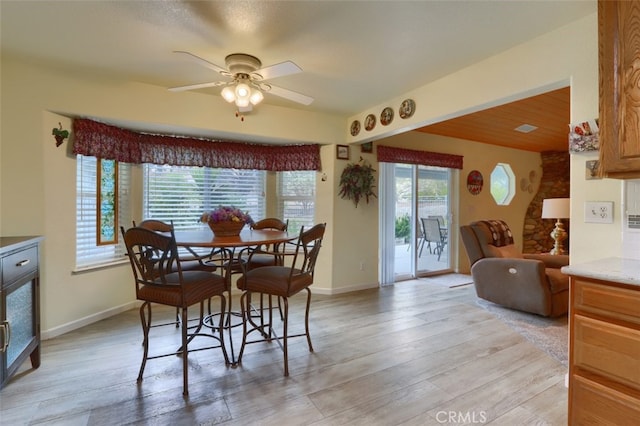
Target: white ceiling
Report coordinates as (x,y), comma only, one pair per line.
(355,54)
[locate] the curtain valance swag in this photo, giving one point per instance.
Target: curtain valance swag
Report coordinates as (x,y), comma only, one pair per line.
(101,140)
(389,154)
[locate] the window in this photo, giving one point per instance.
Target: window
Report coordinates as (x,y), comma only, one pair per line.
(88,253)
(296,198)
(181,194)
(502,184)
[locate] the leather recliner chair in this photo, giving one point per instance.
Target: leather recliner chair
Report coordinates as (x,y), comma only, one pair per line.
(503,275)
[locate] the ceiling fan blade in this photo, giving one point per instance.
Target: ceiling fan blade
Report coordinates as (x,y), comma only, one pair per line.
(204,62)
(291,95)
(278,70)
(197,86)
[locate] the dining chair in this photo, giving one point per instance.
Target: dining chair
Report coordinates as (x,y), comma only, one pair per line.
(191,262)
(283,281)
(263,255)
(159,278)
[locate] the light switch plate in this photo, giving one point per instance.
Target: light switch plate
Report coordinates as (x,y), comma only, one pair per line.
(598,211)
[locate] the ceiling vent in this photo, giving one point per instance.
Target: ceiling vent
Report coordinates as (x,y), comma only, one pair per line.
(525,128)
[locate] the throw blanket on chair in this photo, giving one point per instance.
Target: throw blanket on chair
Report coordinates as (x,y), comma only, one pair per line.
(500,232)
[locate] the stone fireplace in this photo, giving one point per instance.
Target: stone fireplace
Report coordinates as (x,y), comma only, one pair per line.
(554,183)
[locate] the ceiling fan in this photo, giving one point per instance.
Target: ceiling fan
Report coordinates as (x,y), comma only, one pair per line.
(247,83)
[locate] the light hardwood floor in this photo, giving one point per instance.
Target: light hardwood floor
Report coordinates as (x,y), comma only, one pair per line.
(411,354)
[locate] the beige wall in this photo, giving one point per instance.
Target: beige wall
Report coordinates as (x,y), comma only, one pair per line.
(37,180)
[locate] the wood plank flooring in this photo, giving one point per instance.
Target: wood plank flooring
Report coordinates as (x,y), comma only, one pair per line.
(411,354)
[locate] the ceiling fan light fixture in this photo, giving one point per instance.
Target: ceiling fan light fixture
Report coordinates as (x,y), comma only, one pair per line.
(242,102)
(256,97)
(243,91)
(229,94)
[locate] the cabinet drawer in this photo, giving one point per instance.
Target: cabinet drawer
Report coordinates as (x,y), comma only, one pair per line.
(595,404)
(18,264)
(609,350)
(613,302)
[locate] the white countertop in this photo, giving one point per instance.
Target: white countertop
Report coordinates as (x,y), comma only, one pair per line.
(626,271)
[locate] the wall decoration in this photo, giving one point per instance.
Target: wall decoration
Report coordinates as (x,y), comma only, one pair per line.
(526,184)
(342,152)
(591,170)
(357,182)
(407,108)
(370,122)
(366,147)
(59,134)
(355,128)
(386,117)
(598,211)
(584,137)
(107,201)
(474,182)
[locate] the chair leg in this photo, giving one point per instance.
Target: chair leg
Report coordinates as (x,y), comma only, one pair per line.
(185,353)
(146,325)
(306,320)
(285,348)
(223,305)
(244,306)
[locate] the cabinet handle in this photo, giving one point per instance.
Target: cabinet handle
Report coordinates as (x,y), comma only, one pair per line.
(23,262)
(6,331)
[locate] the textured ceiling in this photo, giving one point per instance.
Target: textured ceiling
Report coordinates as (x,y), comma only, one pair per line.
(354,54)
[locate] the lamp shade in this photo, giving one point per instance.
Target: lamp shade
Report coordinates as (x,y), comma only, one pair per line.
(555,208)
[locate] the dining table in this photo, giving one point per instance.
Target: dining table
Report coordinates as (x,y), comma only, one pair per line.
(232,247)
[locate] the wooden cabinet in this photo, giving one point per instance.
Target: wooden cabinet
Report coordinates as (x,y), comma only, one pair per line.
(619,85)
(604,352)
(19,304)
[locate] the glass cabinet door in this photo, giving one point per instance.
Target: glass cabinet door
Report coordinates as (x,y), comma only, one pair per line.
(19,314)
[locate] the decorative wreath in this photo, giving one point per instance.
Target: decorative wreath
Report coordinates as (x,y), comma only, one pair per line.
(357,182)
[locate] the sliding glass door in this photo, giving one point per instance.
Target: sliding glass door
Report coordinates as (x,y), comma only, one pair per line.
(415,221)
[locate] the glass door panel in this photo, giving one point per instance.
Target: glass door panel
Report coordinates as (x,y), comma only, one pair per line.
(433,213)
(405,223)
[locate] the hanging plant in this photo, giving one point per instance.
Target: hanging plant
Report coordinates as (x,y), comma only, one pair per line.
(356,182)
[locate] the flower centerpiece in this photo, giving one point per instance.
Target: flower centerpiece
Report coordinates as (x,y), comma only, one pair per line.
(226,221)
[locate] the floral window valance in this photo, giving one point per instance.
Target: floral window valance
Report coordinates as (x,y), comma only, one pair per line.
(101,140)
(388,154)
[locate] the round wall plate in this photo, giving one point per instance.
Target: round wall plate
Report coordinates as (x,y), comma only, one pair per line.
(386,117)
(370,122)
(355,128)
(407,108)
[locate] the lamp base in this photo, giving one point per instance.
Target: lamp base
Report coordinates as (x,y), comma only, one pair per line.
(559,235)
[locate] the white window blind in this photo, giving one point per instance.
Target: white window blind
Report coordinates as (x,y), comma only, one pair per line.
(181,194)
(88,254)
(296,198)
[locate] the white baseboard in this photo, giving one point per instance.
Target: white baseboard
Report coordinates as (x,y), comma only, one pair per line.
(332,291)
(74,325)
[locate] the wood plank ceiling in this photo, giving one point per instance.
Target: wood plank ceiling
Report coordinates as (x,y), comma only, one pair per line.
(549,112)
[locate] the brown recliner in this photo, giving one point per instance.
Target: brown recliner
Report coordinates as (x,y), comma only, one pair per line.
(503,275)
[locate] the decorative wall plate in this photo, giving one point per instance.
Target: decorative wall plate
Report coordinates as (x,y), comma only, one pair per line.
(355,128)
(474,182)
(370,122)
(386,117)
(407,108)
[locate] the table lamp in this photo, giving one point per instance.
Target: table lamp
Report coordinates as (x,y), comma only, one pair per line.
(557,208)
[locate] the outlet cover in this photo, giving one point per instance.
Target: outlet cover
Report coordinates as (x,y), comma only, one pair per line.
(598,211)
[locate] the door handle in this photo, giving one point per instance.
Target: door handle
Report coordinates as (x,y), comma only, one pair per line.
(6,335)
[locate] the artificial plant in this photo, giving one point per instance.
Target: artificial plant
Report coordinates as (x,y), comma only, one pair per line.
(357,181)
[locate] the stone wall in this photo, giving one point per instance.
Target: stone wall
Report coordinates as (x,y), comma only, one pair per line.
(554,183)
